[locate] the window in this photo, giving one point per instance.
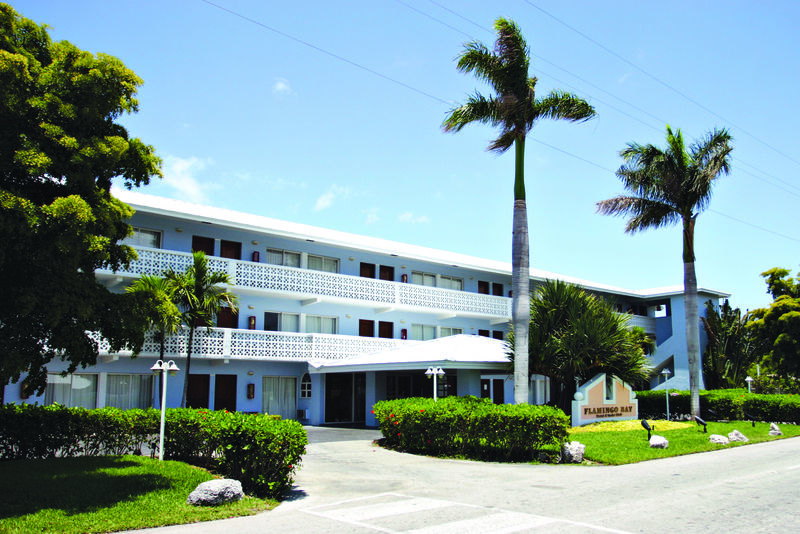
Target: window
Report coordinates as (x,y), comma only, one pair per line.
(305,387)
(72,390)
(316,324)
(423,332)
(129,391)
(609,388)
(497,289)
(142,237)
(423,279)
(447,385)
(279,396)
(366,270)
(484,333)
(322,263)
(385,329)
(281,322)
(483,287)
(450,282)
(449,331)
(498,334)
(283,257)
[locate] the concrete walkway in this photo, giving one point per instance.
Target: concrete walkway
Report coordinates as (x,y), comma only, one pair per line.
(348,485)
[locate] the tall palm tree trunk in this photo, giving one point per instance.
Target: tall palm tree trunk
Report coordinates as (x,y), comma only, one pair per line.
(520,279)
(188,367)
(692,315)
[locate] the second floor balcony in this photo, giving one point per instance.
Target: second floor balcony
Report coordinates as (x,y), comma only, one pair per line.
(314,286)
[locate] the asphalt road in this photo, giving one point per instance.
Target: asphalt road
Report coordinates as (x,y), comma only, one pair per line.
(347,485)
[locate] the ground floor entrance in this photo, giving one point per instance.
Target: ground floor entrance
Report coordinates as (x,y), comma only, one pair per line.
(346,398)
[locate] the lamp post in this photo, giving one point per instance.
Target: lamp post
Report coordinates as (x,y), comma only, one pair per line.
(437,372)
(163,368)
(666,374)
(749,381)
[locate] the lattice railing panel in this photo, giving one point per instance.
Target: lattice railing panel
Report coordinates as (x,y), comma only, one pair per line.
(276,278)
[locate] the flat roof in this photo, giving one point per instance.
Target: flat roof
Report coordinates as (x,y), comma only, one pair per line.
(258,223)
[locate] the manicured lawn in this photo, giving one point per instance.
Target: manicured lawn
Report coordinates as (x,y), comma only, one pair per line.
(105,494)
(625,442)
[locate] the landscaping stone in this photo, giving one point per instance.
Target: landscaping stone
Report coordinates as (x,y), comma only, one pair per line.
(718,439)
(737,436)
(659,442)
(572,452)
(774,430)
(216,492)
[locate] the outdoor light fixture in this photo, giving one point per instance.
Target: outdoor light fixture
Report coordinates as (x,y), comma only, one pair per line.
(666,374)
(701,422)
(435,373)
(749,381)
(163,368)
(647,427)
(751,418)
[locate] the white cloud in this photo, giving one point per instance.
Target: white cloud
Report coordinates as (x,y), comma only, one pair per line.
(372,216)
(181,175)
(326,199)
(409,217)
(281,87)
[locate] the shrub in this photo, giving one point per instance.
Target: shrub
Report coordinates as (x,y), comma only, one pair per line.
(470,427)
(731,404)
(261,451)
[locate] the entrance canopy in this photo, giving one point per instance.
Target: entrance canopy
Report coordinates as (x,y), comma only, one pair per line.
(451,352)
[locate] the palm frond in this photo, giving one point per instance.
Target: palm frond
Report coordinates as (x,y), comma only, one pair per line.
(504,141)
(644,213)
(562,105)
(477,108)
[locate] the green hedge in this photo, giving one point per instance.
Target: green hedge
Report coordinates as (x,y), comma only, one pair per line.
(470,427)
(731,404)
(261,451)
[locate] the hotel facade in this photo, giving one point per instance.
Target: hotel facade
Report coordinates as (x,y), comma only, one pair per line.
(330,322)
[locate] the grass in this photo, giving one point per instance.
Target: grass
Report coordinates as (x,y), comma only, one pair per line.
(625,442)
(106,494)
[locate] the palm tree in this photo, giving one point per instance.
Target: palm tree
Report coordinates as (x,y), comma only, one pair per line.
(160,309)
(514,109)
(162,312)
(668,186)
(200,295)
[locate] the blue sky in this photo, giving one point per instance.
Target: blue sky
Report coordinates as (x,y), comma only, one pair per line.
(329,113)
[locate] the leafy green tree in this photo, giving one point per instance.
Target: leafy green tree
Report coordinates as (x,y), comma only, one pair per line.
(200,294)
(575,335)
(515,109)
(60,148)
(731,349)
(669,186)
(778,326)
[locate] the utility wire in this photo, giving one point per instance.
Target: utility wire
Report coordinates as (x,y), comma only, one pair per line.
(437,99)
(660,81)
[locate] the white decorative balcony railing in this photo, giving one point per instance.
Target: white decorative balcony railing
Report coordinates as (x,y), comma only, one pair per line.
(222,343)
(646,323)
(318,284)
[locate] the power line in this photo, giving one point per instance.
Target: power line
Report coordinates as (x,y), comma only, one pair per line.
(660,81)
(428,95)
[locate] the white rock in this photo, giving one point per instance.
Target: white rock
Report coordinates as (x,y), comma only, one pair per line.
(719,440)
(216,492)
(659,442)
(774,430)
(737,436)
(572,452)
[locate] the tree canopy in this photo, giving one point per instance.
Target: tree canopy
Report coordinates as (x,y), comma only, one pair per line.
(778,326)
(732,348)
(60,148)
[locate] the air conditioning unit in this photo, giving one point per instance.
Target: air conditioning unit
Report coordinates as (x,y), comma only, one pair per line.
(302,415)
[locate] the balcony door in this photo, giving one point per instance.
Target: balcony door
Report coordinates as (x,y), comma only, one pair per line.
(345,397)
(198,394)
(227,319)
(203,244)
(366,328)
(230,249)
(367,270)
(225,392)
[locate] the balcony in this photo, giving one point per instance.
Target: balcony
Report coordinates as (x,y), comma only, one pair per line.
(305,284)
(227,343)
(648,324)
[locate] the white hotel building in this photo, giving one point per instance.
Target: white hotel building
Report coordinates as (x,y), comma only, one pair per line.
(331,322)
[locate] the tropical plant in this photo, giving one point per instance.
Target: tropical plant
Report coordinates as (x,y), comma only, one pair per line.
(515,109)
(731,349)
(200,295)
(669,186)
(161,311)
(575,335)
(778,326)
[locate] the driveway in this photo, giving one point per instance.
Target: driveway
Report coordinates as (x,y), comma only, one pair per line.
(348,485)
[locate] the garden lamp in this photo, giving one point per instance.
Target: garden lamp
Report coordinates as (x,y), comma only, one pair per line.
(163,368)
